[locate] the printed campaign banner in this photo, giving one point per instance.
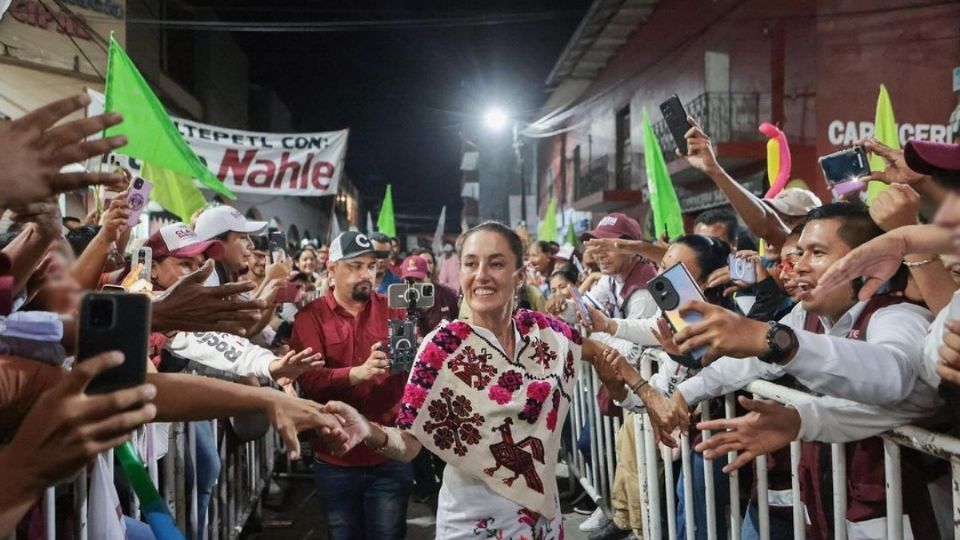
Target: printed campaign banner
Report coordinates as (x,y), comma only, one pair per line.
(298,164)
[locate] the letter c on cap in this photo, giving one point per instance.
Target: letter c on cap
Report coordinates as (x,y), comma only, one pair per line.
(363,241)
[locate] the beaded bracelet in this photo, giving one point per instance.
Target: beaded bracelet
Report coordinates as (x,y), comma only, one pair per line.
(386,440)
(914,264)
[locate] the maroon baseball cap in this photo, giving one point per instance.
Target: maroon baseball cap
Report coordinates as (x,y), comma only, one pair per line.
(414,267)
(932,158)
(615,225)
(178,240)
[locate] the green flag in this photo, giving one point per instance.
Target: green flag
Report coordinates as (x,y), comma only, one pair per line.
(667,218)
(151,135)
(385,221)
(571,237)
(548,227)
(885,131)
(175,192)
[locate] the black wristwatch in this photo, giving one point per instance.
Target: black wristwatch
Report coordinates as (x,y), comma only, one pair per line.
(782,342)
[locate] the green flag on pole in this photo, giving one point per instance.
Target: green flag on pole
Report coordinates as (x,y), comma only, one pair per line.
(548,227)
(175,192)
(667,218)
(151,135)
(885,131)
(571,237)
(385,221)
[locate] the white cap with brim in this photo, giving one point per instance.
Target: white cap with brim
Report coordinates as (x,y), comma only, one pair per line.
(218,220)
(794,202)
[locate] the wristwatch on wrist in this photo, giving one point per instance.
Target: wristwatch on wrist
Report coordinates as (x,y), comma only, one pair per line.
(782,342)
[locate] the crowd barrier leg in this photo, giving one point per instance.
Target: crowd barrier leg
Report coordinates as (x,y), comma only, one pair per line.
(799,520)
(891,468)
(838,459)
(711,497)
(730,411)
(686,464)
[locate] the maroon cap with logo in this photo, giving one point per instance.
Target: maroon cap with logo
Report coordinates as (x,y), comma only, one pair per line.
(932,158)
(414,267)
(615,225)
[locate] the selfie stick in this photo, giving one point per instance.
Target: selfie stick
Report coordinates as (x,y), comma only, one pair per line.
(153,507)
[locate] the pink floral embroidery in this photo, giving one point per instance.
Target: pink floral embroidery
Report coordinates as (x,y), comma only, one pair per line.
(555,411)
(433,355)
(500,394)
(414,395)
(459,329)
(539,390)
(511,380)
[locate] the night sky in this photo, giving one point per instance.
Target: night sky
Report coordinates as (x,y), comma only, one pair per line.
(406,94)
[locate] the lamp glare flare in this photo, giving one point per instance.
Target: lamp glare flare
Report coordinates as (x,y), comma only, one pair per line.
(496,118)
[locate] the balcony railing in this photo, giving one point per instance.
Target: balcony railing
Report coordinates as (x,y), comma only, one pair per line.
(724,117)
(595,178)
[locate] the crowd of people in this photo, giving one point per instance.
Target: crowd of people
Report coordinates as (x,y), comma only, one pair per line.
(850,304)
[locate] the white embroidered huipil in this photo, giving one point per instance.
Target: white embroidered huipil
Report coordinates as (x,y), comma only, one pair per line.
(496,422)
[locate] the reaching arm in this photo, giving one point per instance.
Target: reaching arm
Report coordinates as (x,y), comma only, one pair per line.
(184,398)
(760,218)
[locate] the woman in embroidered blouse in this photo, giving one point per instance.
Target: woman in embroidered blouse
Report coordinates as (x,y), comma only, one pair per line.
(489,396)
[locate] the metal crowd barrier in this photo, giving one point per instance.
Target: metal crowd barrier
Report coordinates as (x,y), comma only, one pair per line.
(596,475)
(245,470)
(937,445)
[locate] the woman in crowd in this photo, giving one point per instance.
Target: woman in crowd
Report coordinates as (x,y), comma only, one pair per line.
(505,377)
(701,255)
(561,281)
(540,262)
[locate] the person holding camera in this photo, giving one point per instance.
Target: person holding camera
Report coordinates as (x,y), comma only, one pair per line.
(445,302)
(363,493)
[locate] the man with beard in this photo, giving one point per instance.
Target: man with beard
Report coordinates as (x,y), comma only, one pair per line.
(363,494)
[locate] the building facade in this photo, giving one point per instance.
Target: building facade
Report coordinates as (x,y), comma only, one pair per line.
(812,67)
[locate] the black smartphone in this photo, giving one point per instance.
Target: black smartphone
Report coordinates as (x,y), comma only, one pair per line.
(115,322)
(277,244)
(670,290)
(676,118)
(845,170)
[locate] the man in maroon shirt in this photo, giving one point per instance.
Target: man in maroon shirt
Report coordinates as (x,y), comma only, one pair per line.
(363,494)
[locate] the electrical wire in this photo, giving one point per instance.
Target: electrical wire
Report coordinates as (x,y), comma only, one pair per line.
(75,44)
(357,25)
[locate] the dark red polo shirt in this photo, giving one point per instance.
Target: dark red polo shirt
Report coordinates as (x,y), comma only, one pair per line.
(345,341)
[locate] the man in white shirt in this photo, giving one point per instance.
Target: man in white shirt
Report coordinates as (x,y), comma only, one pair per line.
(881,377)
(837,420)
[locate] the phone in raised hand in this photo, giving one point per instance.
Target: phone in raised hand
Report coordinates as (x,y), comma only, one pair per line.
(581,305)
(671,289)
(676,117)
(277,244)
(137,198)
(114,321)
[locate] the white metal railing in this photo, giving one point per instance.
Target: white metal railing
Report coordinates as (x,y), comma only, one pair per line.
(245,469)
(933,444)
(596,475)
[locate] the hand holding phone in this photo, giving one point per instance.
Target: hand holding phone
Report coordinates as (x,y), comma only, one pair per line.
(581,306)
(137,198)
(676,118)
(671,289)
(845,170)
(742,269)
(115,322)
(277,244)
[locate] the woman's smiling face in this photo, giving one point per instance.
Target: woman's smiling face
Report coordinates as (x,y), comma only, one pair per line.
(490,273)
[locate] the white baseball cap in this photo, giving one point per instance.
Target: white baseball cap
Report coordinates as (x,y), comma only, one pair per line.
(220,219)
(794,202)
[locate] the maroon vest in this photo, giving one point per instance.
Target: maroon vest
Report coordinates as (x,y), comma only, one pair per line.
(866,493)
